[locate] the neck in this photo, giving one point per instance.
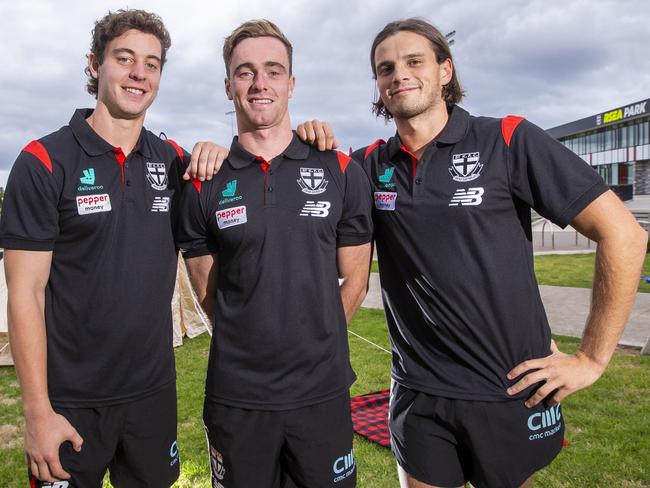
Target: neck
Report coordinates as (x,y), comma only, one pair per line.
(268,142)
(118,132)
(416,133)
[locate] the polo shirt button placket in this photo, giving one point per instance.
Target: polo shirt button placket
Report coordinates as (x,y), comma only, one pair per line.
(270,185)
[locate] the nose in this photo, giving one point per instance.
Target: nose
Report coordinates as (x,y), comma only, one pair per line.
(137,71)
(259,82)
(400,73)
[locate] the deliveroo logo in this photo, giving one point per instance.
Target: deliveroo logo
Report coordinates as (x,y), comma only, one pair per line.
(89,176)
(384,179)
(229,193)
(231,189)
(88,181)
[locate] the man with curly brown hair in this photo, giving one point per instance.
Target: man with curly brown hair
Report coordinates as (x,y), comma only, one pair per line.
(90,265)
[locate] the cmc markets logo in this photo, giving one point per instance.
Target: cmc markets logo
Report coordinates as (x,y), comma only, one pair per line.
(173,453)
(546,423)
(343,467)
(621,113)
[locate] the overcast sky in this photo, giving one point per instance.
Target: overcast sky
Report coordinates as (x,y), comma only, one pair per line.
(551,61)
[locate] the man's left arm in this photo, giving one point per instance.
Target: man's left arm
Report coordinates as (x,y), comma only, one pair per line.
(619,259)
(354,267)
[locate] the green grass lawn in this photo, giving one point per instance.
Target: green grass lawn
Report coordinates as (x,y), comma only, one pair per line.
(569,270)
(607,431)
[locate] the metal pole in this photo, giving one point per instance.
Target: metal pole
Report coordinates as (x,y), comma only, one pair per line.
(232,122)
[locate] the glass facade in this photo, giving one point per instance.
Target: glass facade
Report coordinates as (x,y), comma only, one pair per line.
(616,173)
(634,133)
(616,143)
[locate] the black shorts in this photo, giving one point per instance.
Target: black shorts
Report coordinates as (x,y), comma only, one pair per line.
(308,447)
(447,442)
(135,442)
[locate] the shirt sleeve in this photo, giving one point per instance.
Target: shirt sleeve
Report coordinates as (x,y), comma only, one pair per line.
(193,236)
(549,177)
(355,225)
(30,216)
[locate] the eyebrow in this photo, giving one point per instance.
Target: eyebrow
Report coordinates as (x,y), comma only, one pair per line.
(392,63)
(132,53)
(267,64)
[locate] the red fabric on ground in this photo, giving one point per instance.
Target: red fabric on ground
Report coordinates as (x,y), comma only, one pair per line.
(370,416)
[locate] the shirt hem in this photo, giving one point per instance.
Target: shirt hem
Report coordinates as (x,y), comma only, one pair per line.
(580,203)
(353,239)
(108,402)
(277,406)
(460,395)
(26,244)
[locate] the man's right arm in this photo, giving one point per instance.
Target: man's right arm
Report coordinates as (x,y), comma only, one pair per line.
(27,274)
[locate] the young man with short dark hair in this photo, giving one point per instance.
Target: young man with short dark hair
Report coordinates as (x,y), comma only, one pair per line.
(265,242)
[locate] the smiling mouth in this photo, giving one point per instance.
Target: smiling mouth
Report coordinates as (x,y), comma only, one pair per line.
(134,91)
(261,101)
(405,89)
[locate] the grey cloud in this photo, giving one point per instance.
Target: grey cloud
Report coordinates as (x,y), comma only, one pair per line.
(551,61)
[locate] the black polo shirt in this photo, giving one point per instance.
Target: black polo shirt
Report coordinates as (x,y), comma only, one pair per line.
(106,218)
(280,336)
(454,244)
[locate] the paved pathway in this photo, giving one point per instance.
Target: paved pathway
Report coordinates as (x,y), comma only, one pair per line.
(567,310)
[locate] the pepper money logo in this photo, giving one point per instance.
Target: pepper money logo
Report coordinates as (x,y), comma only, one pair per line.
(229,193)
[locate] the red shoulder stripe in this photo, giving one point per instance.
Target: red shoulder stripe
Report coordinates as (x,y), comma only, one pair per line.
(372,147)
(37,150)
(344,160)
(197,184)
(176,147)
(508,126)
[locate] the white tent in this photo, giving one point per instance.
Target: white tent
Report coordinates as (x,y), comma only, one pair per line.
(5,352)
(189,318)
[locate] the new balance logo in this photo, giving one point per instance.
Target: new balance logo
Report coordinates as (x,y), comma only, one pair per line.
(471,196)
(315,209)
(160,204)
